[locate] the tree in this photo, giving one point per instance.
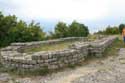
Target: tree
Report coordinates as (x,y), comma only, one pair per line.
(61,30)
(36,31)
(6,23)
(75,29)
(12,30)
(23,32)
(109,31)
(78,30)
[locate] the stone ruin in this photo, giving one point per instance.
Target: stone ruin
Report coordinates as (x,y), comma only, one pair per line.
(14,57)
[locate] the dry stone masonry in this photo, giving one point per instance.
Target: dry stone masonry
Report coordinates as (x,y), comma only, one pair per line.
(14,57)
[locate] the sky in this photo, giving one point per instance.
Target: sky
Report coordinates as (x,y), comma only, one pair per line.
(96,14)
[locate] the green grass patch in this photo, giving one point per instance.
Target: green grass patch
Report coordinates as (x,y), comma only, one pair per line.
(72,66)
(51,47)
(112,51)
(54,47)
(114,48)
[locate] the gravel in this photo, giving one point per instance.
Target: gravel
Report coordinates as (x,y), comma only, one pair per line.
(109,70)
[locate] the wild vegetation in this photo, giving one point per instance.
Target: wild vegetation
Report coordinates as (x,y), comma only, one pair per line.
(52,47)
(112,30)
(109,31)
(114,47)
(14,30)
(75,29)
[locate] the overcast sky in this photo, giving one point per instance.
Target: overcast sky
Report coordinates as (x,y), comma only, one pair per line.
(96,14)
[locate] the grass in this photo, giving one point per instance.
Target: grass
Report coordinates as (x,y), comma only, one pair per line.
(51,47)
(114,47)
(92,37)
(54,47)
(112,51)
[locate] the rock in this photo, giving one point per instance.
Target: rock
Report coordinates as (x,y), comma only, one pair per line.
(24,80)
(5,77)
(122,61)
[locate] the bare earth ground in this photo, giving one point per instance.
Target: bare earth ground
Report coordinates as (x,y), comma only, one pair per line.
(108,70)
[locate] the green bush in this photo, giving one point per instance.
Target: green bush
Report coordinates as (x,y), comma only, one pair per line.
(75,29)
(109,31)
(12,30)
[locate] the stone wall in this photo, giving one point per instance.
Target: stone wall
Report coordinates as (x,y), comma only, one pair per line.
(98,47)
(22,46)
(75,54)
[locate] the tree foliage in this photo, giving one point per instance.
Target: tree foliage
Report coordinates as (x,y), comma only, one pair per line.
(61,30)
(6,23)
(75,29)
(12,30)
(109,31)
(78,30)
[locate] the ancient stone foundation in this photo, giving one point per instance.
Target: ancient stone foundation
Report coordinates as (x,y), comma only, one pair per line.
(13,57)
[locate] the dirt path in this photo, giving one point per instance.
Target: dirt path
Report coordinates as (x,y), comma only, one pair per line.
(109,70)
(114,71)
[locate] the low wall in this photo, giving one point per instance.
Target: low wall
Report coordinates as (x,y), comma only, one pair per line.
(51,41)
(22,46)
(75,54)
(39,60)
(98,47)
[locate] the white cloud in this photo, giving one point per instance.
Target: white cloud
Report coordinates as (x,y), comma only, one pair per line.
(94,13)
(60,9)
(64,9)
